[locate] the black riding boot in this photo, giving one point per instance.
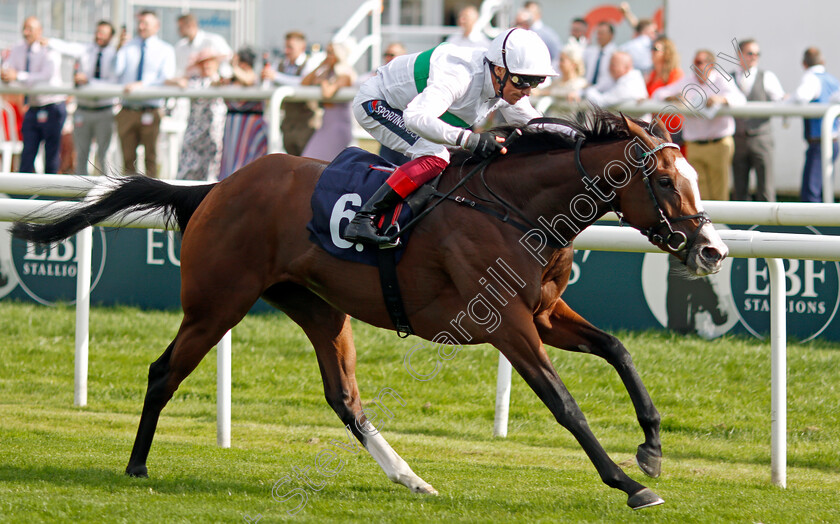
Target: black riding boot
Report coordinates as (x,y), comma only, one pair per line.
(361,228)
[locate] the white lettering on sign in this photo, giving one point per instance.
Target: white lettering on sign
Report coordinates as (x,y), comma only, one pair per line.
(757,280)
(33,252)
(151,246)
(155,255)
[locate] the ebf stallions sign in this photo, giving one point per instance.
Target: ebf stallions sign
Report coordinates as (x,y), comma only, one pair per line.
(811,292)
(48,273)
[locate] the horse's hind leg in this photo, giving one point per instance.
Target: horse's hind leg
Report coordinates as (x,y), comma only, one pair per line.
(206,319)
(330,333)
(563,328)
(525,351)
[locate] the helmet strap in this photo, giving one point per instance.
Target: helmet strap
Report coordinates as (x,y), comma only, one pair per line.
(503,80)
(499,80)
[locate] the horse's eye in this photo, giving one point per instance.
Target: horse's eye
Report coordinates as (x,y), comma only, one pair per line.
(665,183)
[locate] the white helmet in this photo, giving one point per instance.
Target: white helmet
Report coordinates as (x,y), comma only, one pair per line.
(521,52)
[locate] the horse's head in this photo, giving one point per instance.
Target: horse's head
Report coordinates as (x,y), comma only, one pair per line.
(664,202)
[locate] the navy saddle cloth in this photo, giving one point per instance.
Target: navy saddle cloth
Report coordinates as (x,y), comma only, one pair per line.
(348,182)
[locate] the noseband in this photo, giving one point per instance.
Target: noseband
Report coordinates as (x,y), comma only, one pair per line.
(675,242)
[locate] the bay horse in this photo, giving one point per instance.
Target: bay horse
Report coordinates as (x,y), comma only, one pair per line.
(246,238)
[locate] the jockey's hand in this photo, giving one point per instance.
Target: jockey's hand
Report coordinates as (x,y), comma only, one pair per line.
(483,145)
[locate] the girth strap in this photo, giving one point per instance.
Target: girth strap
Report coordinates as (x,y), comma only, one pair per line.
(391,292)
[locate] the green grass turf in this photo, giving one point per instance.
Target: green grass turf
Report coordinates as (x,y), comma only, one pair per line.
(60,463)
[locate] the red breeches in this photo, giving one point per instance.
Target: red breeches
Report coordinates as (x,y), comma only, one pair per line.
(414,173)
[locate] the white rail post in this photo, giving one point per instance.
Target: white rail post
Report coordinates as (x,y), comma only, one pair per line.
(827,150)
(778,379)
(500,423)
(84,245)
(271,114)
(223,388)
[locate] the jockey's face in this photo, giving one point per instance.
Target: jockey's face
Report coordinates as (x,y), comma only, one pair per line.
(510,94)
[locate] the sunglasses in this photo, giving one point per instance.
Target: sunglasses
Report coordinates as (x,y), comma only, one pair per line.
(522,81)
(389,55)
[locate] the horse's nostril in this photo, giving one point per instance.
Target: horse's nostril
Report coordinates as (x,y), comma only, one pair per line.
(711,254)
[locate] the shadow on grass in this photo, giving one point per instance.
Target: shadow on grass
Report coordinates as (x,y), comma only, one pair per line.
(795,462)
(110,480)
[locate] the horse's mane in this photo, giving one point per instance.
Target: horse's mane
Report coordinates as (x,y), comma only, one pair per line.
(596,125)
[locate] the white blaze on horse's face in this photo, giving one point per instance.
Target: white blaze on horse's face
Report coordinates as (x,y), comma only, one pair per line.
(686,171)
(709,250)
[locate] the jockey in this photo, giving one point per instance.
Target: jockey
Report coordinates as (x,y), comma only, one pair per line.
(419,104)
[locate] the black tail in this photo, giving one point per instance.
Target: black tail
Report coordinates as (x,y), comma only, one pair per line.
(135,193)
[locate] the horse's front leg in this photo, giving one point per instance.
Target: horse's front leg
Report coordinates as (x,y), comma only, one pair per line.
(523,348)
(563,328)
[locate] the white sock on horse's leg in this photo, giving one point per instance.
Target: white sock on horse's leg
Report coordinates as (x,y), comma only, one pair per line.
(392,464)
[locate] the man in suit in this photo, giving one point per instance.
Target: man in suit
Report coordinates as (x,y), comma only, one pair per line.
(753,136)
(32,64)
(145,60)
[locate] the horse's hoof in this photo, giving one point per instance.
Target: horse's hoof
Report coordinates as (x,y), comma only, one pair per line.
(650,464)
(644,498)
(137,471)
(425,489)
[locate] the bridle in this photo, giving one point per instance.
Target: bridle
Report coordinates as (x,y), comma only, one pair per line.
(675,242)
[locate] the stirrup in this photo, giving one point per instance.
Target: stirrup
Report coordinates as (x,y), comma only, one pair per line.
(387,234)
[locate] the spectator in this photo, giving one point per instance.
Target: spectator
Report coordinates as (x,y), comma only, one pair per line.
(535,24)
(665,65)
(145,60)
(201,152)
(94,117)
(596,57)
(642,43)
(816,86)
(666,70)
(393,50)
(32,65)
(336,132)
(571,82)
(470,36)
(708,138)
(628,83)
(246,134)
(753,136)
(193,41)
(301,119)
(577,33)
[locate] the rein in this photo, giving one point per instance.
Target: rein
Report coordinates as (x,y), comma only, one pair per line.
(675,242)
(480,168)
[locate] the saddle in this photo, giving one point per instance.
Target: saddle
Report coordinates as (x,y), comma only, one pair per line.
(344,185)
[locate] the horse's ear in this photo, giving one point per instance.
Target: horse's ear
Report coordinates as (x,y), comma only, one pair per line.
(658,128)
(636,130)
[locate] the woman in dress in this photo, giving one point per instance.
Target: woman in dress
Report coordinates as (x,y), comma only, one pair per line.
(335,133)
(246,134)
(201,152)
(666,70)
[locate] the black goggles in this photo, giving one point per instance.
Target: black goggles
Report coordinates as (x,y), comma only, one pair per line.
(523,81)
